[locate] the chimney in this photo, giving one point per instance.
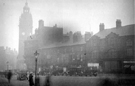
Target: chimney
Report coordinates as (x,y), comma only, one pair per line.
(41,24)
(71,36)
(101,26)
(55,25)
(87,36)
(118,23)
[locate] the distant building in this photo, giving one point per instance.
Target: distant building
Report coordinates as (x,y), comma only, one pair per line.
(113,48)
(25,30)
(60,55)
(3,65)
(51,40)
(11,56)
(8,58)
(66,38)
(77,37)
(30,46)
(48,35)
(87,36)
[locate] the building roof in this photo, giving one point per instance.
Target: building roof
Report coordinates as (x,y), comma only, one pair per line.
(63,44)
(121,31)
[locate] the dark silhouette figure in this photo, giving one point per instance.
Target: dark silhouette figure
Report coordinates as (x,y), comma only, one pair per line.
(37,80)
(9,75)
(47,82)
(108,82)
(31,83)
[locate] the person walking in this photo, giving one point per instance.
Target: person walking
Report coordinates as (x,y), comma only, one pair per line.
(31,83)
(9,75)
(37,80)
(28,76)
(47,82)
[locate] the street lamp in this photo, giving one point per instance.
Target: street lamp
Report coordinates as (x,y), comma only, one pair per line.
(7,65)
(36,55)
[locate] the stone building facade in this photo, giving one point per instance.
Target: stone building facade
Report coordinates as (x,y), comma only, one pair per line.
(113,48)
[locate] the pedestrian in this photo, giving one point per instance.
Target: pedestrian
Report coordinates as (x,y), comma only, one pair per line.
(37,80)
(47,82)
(9,75)
(28,75)
(31,83)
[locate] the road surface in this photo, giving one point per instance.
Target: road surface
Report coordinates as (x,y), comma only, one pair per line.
(78,81)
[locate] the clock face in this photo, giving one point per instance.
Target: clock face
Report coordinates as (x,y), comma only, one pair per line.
(23,33)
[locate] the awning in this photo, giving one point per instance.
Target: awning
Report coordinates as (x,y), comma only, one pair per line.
(128,61)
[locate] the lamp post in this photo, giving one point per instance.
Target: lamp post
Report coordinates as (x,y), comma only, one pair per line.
(7,65)
(36,55)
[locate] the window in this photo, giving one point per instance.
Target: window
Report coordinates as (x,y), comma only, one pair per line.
(72,49)
(81,48)
(58,51)
(107,66)
(112,42)
(78,56)
(114,65)
(65,50)
(94,54)
(112,53)
(102,46)
(129,52)
(129,43)
(81,55)
(94,44)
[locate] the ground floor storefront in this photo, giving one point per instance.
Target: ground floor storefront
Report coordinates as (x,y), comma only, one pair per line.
(126,67)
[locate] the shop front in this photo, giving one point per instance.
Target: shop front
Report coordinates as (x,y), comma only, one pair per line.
(129,67)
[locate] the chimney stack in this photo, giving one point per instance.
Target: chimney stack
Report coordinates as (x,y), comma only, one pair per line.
(118,23)
(101,26)
(41,24)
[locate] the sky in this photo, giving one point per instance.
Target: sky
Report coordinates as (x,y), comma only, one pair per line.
(72,15)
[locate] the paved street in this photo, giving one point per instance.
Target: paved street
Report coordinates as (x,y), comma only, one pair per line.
(4,82)
(62,81)
(16,82)
(76,81)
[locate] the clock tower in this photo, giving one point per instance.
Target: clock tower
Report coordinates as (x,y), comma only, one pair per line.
(25,29)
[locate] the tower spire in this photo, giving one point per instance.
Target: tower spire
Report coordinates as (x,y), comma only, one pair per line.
(26,3)
(26,8)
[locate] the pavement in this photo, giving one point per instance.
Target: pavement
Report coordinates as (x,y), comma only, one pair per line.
(14,82)
(100,80)
(4,82)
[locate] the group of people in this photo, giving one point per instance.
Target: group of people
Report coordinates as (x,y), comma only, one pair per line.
(30,77)
(31,81)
